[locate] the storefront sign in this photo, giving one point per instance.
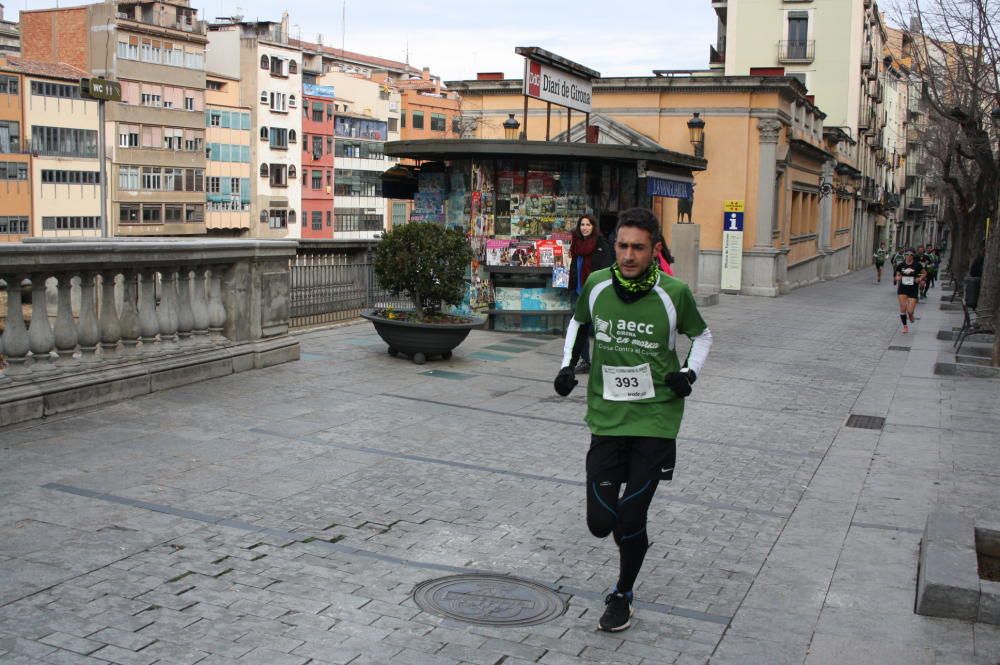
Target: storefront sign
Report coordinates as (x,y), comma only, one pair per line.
(673,189)
(313,90)
(94,88)
(732,251)
(549,84)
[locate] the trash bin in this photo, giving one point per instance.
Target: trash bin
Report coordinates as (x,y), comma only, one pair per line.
(972,291)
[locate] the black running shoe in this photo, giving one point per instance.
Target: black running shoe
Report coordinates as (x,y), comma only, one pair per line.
(617,613)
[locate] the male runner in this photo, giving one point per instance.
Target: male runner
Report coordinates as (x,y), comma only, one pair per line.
(635,393)
(879,262)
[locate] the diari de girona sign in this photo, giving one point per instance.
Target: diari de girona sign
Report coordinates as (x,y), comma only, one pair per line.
(556,86)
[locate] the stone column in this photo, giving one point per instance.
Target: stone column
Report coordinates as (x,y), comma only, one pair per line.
(216,308)
(166,313)
(111,331)
(185,314)
(130,315)
(148,324)
(88,332)
(199,307)
(770,130)
(15,337)
(40,335)
(65,333)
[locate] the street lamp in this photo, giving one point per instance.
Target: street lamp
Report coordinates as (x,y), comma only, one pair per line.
(696,128)
(510,127)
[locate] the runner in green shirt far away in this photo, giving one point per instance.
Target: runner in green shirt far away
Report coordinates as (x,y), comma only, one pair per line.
(635,392)
(879,262)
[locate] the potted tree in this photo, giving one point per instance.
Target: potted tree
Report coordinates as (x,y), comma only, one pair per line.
(427,262)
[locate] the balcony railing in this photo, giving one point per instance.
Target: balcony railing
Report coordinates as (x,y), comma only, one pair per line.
(866,57)
(914,135)
(796,50)
(716,57)
(126,318)
(875,90)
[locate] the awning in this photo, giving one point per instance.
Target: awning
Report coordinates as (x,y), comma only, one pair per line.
(400,182)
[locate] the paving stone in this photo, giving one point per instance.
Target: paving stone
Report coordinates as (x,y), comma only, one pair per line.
(71,643)
(120,656)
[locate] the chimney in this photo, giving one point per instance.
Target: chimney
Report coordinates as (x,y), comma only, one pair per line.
(426,74)
(1,12)
(284,25)
(489,76)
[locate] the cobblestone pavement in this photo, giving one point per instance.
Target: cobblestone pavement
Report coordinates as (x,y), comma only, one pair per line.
(284,516)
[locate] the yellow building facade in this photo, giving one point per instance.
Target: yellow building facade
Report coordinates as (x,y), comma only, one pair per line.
(766,146)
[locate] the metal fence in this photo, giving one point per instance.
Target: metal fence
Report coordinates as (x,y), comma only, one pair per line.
(331,287)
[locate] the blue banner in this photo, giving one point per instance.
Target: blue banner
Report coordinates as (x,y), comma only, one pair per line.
(313,90)
(673,189)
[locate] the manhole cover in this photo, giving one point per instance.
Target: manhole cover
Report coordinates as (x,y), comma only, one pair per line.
(489,600)
(866,422)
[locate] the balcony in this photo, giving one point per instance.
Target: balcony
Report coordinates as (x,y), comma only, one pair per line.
(866,119)
(914,135)
(123,318)
(875,90)
(716,57)
(866,57)
(796,51)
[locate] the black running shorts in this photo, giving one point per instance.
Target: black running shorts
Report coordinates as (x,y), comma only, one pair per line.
(620,459)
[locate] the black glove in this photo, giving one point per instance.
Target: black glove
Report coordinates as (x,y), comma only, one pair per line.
(565,381)
(681,382)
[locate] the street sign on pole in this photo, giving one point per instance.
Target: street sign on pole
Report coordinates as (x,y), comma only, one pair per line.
(104,90)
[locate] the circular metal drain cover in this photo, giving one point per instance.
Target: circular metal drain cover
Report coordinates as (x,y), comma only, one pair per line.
(489,600)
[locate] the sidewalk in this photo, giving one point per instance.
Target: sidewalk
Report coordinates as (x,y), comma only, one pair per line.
(285,517)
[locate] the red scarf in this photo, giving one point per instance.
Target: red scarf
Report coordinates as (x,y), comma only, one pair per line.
(584,248)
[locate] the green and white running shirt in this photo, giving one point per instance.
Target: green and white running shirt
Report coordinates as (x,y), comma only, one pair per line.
(634,349)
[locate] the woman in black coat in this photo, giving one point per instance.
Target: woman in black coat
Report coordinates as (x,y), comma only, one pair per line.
(589,251)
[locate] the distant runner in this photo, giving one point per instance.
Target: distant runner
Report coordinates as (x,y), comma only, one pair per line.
(879,262)
(909,275)
(635,392)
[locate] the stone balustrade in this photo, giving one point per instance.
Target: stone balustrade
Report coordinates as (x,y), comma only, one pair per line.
(119,318)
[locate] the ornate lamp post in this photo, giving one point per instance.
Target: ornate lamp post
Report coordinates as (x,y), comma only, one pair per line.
(510,127)
(696,128)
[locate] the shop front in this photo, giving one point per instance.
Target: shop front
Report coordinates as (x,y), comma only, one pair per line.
(518,203)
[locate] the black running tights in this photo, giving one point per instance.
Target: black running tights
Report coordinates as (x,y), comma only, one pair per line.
(623,515)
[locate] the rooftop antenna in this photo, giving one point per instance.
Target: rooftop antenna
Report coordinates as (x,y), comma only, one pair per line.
(343,28)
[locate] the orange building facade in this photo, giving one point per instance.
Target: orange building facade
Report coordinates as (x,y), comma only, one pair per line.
(15,185)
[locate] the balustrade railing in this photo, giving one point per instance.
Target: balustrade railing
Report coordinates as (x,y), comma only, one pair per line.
(104,305)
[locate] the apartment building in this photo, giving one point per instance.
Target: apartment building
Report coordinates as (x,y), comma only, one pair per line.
(15,158)
(63,135)
(268,68)
(317,161)
(10,35)
(228,171)
(364,113)
(322,59)
(156,135)
(835,49)
(429,110)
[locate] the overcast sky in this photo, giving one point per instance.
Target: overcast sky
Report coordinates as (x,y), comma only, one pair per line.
(456,39)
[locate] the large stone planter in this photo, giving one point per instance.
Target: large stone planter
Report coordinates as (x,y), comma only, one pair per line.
(421,340)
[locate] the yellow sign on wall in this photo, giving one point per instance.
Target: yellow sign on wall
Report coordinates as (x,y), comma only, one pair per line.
(733,206)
